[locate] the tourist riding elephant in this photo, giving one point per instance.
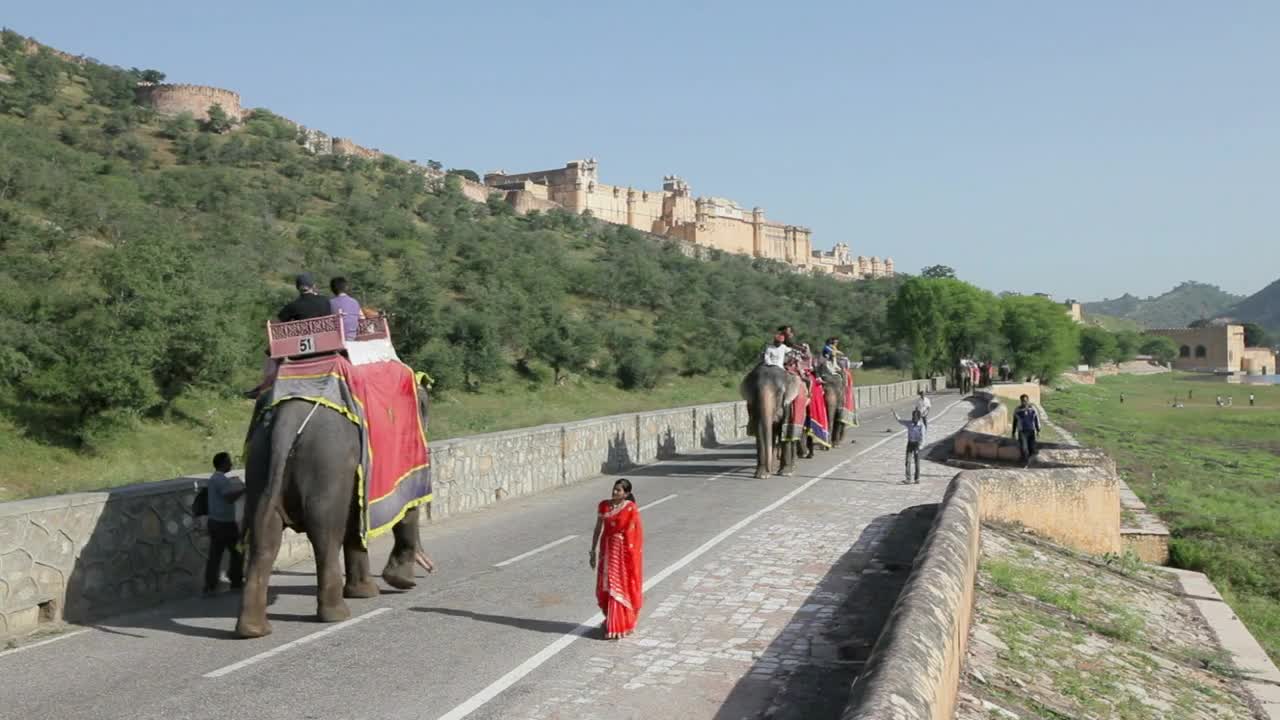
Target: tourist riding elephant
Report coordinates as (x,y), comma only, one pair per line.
(301,473)
(770,392)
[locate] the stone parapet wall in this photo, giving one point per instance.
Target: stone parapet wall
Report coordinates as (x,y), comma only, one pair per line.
(87,555)
(913,672)
(83,556)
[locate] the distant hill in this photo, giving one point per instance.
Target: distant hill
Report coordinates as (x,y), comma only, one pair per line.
(1176,308)
(1262,307)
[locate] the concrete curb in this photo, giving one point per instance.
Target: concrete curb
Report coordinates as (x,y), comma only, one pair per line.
(1261,678)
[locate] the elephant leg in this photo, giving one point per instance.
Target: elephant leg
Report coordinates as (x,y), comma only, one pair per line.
(399,570)
(787,464)
(355,557)
(326,543)
(264,545)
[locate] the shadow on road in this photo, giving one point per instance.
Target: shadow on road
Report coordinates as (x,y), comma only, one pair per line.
(551,627)
(807,671)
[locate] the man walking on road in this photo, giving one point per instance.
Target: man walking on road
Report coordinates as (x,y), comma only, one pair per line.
(923,406)
(1026,426)
(915,440)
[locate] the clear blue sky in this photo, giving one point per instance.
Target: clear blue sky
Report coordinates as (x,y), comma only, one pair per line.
(1079,148)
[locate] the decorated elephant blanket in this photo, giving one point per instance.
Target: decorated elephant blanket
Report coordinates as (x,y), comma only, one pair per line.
(845,413)
(816,424)
(793,420)
(381,398)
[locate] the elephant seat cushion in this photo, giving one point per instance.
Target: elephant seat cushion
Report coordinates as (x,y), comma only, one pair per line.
(380,398)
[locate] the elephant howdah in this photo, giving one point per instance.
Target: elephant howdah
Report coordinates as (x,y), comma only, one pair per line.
(381,399)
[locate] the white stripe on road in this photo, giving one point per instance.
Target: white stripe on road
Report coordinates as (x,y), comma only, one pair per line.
(21,648)
(536,550)
(475,702)
(659,501)
(295,643)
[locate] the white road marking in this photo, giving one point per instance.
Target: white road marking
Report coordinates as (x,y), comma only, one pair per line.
(536,550)
(21,648)
(659,501)
(475,702)
(295,643)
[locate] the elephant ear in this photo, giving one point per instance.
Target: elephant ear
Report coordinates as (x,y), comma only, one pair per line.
(792,389)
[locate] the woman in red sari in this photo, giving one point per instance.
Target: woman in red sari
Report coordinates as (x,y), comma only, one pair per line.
(620,571)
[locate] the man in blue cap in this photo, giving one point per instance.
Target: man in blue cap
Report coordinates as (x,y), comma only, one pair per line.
(309,304)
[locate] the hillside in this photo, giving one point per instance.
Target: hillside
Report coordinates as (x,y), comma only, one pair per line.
(1187,302)
(140,256)
(1262,307)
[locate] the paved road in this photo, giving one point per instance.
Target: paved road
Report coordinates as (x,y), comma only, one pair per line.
(748,584)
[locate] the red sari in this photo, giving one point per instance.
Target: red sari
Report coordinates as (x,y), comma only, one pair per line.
(620,570)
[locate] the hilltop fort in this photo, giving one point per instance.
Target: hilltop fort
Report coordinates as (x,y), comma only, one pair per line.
(714,223)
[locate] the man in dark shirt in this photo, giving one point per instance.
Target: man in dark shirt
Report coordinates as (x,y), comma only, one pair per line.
(309,304)
(1026,426)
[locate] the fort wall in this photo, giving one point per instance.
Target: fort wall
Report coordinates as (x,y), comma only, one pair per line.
(194,99)
(345,146)
(1216,348)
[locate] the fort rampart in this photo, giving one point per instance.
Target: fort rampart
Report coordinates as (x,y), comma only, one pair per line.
(87,555)
(194,99)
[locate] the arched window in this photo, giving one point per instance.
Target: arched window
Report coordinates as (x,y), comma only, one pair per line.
(1200,351)
(1184,351)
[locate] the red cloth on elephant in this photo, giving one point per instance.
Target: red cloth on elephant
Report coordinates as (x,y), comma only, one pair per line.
(816,423)
(849,397)
(620,568)
(793,423)
(381,399)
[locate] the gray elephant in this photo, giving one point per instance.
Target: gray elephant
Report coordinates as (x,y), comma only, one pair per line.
(770,392)
(833,381)
(307,481)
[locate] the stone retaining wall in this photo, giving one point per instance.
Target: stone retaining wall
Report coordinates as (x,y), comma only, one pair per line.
(87,555)
(1072,497)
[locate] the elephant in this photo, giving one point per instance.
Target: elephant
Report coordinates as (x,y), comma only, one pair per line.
(833,380)
(770,391)
(301,473)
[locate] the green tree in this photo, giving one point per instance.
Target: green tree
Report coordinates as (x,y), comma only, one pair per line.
(1097,346)
(471,175)
(1256,336)
(475,337)
(937,271)
(1042,340)
(1128,342)
(1161,348)
(219,121)
(566,345)
(917,318)
(181,125)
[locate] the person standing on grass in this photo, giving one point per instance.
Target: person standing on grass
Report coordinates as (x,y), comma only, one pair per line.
(1250,399)
(1026,426)
(915,440)
(224,533)
(619,566)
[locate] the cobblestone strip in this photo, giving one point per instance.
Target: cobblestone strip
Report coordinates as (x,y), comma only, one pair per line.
(754,624)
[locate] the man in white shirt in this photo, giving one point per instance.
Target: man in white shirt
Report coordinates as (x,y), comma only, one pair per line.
(776,353)
(923,406)
(915,440)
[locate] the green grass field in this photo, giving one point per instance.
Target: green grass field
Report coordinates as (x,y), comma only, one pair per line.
(1212,473)
(37,461)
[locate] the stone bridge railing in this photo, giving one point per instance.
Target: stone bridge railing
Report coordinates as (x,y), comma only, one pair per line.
(87,555)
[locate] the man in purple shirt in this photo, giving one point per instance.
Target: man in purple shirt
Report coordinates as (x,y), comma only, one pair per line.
(343,304)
